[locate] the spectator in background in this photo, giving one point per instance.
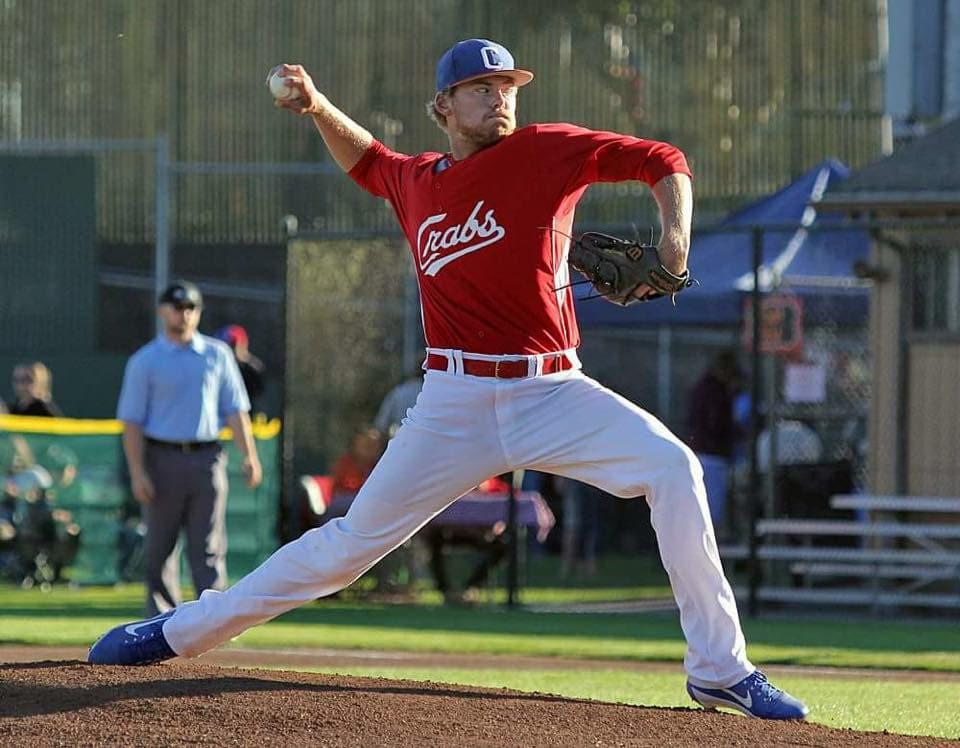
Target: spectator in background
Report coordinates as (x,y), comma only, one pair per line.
(252,369)
(61,462)
(40,540)
(178,391)
(352,468)
(15,453)
(33,391)
(399,569)
(581,528)
(349,473)
(712,432)
(489,542)
(397,402)
(797,444)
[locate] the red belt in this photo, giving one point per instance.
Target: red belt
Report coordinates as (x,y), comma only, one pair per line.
(502,369)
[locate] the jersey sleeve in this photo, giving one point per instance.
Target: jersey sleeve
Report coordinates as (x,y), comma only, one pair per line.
(379,171)
(598,156)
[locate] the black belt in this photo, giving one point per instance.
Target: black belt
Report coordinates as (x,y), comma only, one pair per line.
(182,446)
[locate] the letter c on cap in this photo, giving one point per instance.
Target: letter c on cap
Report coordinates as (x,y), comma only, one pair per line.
(491,58)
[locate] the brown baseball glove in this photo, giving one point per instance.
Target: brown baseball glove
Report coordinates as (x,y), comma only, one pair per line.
(617,267)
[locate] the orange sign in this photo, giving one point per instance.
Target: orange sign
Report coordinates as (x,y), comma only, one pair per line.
(781,324)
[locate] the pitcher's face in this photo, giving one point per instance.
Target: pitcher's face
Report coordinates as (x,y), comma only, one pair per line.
(482,111)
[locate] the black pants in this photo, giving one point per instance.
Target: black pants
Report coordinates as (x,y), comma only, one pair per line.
(493,549)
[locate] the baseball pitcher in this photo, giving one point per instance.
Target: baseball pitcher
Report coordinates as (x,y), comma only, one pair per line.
(489,225)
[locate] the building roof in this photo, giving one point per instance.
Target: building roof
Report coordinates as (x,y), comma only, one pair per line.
(923,172)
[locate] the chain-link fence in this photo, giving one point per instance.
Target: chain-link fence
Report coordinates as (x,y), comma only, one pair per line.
(353,334)
(163,156)
(855,321)
(753,91)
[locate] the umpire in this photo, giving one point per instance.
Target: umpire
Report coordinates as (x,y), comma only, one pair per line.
(178,391)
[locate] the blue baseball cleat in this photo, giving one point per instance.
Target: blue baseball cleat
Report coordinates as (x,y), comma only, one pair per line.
(755,696)
(137,643)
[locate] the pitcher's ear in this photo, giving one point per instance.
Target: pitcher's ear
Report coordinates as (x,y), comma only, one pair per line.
(441,101)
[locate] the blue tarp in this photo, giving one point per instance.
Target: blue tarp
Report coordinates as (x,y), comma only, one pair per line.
(814,260)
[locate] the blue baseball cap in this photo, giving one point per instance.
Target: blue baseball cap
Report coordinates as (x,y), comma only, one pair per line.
(476,58)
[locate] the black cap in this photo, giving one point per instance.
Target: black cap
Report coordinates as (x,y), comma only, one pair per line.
(182,293)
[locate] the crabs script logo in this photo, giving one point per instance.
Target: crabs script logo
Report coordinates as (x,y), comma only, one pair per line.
(437,247)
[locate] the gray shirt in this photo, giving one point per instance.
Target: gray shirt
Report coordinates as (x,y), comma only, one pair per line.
(394,407)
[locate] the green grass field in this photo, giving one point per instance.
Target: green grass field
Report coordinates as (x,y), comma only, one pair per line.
(67,616)
(856,703)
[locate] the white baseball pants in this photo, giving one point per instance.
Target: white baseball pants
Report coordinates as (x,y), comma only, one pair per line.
(463,430)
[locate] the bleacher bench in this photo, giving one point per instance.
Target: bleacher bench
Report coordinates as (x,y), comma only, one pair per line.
(881,571)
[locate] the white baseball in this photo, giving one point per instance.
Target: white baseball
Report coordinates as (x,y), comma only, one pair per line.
(280,88)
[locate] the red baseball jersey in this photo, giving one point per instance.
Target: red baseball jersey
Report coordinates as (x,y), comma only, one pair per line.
(489,233)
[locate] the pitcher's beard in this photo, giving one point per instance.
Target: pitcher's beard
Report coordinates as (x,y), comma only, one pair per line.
(488,134)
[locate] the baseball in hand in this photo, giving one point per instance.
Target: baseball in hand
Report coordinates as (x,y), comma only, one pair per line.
(280,88)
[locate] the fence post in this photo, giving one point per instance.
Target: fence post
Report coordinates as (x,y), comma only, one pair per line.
(513,530)
(161,253)
(907,256)
(753,490)
(664,374)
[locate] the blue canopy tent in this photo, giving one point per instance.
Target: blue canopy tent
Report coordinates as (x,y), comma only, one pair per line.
(803,251)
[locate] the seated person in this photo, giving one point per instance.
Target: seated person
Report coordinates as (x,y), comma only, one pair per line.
(397,402)
(581,528)
(32,388)
(489,541)
(797,444)
(38,540)
(354,466)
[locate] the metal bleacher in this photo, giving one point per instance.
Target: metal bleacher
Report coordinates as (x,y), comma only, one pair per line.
(892,556)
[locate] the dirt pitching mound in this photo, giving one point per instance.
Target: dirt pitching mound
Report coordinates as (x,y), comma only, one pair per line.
(72,703)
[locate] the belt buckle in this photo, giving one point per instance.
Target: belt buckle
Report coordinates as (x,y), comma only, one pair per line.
(506,372)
